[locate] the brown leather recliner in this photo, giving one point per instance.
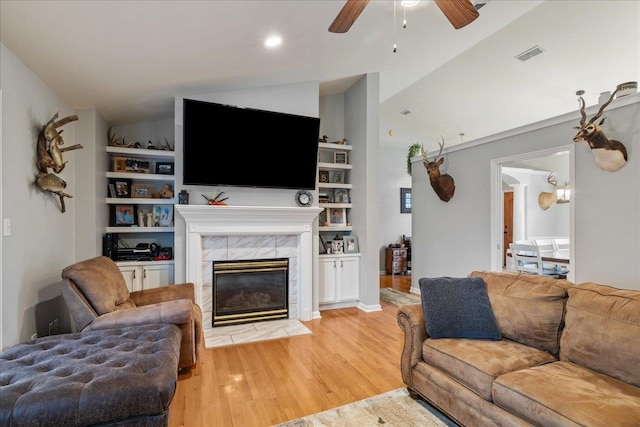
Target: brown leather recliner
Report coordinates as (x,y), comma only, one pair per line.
(98,298)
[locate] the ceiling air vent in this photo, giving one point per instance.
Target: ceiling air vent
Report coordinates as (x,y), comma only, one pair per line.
(405,112)
(530,53)
(478,4)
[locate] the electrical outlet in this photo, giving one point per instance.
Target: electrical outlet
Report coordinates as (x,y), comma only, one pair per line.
(6,227)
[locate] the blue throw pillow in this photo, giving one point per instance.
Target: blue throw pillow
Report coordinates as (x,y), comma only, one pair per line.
(458,308)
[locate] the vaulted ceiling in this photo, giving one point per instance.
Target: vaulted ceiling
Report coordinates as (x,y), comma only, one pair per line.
(129,59)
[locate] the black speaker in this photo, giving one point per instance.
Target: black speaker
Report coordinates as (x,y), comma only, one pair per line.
(110,246)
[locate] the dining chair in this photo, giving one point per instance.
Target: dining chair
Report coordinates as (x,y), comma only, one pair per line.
(528,260)
(561,244)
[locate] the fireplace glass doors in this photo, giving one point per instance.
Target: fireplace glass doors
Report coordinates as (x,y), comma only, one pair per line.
(250,290)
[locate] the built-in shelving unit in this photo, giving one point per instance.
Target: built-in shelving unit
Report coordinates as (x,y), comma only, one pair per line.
(142,274)
(339,271)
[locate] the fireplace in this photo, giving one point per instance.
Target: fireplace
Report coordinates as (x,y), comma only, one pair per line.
(250,290)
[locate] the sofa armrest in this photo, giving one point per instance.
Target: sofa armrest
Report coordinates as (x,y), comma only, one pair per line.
(411,320)
(179,312)
(163,294)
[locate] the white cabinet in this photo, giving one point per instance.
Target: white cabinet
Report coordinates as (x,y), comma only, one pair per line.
(339,281)
(139,276)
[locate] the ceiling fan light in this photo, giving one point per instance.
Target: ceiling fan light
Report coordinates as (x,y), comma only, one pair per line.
(409,3)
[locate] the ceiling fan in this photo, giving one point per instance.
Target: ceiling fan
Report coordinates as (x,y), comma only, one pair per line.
(458,12)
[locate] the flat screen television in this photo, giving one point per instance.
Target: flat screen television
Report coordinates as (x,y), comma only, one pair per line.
(226,145)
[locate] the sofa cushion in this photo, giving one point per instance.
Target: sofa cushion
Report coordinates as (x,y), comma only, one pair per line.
(457,308)
(528,309)
(602,331)
(563,393)
(477,363)
(112,291)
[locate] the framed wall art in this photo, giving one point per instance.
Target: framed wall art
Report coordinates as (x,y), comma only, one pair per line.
(338,177)
(341,195)
(405,200)
(337,246)
(323,176)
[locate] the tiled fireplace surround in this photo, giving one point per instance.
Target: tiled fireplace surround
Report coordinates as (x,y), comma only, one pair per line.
(207,233)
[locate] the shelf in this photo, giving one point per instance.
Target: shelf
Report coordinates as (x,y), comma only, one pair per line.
(141,152)
(336,228)
(334,205)
(336,147)
(342,255)
(144,263)
(140,201)
(341,166)
(141,176)
(120,230)
(334,185)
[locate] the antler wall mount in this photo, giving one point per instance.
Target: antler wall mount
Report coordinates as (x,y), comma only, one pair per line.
(610,154)
(443,185)
(50,157)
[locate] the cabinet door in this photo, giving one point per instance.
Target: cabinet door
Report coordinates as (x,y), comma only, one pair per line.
(327,277)
(157,275)
(132,276)
(348,279)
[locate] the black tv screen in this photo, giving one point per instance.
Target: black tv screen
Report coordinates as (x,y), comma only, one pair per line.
(233,146)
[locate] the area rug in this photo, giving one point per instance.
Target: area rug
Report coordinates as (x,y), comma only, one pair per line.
(397,297)
(391,409)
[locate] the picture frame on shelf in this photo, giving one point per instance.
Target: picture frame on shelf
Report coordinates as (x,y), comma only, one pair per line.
(338,177)
(162,215)
(124,215)
(405,200)
(350,245)
(323,176)
(121,188)
(340,157)
(137,166)
(322,218)
(141,191)
(337,246)
(119,164)
(323,246)
(340,195)
(164,168)
(337,216)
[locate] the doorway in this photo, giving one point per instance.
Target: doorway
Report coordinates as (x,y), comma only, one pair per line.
(509,191)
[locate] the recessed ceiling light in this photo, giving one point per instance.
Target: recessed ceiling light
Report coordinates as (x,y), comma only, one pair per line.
(273,41)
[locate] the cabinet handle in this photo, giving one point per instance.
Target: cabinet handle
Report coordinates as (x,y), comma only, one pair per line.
(134,274)
(341,264)
(144,273)
(334,263)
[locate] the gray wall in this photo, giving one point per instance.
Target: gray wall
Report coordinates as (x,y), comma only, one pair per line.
(454,238)
(42,239)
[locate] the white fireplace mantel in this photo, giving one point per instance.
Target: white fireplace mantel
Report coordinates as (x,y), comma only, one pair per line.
(197,221)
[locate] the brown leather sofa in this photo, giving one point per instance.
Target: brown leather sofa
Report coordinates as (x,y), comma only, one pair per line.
(569,356)
(98,298)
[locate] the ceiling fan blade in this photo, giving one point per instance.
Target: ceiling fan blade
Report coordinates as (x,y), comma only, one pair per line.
(347,16)
(458,12)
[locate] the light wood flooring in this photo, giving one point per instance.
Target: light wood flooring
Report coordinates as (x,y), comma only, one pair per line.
(351,355)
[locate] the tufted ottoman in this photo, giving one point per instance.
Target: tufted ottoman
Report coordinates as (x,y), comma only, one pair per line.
(124,377)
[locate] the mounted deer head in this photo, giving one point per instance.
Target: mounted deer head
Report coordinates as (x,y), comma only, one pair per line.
(443,185)
(610,155)
(545,200)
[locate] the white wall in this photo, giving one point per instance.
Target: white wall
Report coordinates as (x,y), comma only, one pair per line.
(454,238)
(42,240)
